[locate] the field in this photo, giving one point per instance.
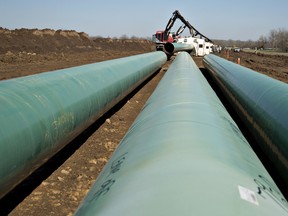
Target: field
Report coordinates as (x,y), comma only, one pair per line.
(58,187)
(270,64)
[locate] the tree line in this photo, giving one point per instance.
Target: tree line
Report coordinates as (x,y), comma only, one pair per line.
(277,39)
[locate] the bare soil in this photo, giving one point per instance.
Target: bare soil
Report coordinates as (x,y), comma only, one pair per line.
(58,187)
(271,65)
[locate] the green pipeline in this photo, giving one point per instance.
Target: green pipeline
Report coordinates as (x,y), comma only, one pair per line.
(41,113)
(184,155)
(262,103)
(171,48)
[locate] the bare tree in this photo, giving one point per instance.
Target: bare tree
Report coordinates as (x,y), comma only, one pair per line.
(134,37)
(282,38)
(124,36)
(273,38)
(262,41)
(279,39)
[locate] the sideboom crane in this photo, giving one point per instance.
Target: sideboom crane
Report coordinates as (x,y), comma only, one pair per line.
(162,37)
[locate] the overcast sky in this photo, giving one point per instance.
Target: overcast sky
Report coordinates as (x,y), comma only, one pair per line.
(222,19)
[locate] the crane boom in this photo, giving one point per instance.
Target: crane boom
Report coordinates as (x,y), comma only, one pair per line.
(165,36)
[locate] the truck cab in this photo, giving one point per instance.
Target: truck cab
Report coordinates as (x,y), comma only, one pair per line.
(161,37)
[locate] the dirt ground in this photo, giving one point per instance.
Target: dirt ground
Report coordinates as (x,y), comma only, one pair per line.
(274,66)
(58,187)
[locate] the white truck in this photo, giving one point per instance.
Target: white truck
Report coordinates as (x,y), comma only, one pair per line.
(201,47)
(208,48)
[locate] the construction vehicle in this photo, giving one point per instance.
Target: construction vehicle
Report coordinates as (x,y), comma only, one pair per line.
(162,37)
(167,36)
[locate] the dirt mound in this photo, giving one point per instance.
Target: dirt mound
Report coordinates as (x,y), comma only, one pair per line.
(124,44)
(29,51)
(43,41)
(48,40)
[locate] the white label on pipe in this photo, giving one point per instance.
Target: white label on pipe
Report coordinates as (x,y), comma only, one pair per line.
(248,195)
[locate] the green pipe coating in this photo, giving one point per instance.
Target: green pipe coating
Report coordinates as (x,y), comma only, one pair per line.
(172,48)
(41,113)
(261,101)
(184,155)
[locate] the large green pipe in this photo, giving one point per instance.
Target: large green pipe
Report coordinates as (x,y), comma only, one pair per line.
(184,155)
(261,101)
(42,113)
(171,48)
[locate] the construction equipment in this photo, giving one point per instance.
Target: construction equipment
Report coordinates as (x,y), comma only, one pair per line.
(162,37)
